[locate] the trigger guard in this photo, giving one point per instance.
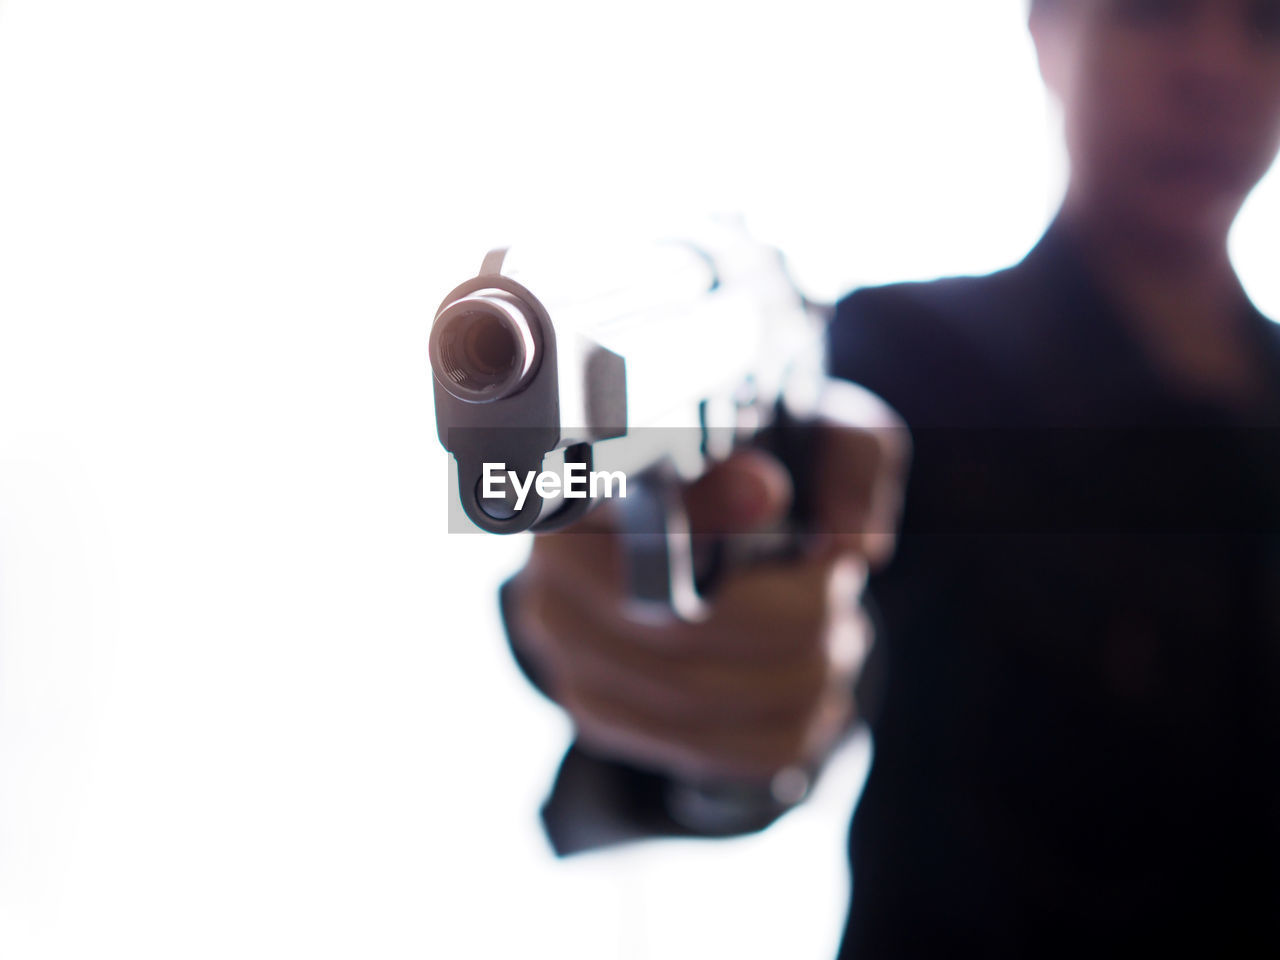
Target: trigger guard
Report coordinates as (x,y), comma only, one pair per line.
(570,511)
(658,548)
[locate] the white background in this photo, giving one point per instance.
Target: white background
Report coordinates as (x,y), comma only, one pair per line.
(253,698)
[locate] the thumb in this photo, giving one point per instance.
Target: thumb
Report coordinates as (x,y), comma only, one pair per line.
(749,491)
(864,455)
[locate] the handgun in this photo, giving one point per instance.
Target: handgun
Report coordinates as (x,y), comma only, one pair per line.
(642,362)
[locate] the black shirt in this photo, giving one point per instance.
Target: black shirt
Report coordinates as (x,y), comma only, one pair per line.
(1076,742)
(1073,693)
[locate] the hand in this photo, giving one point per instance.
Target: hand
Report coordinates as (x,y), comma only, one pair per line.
(765,681)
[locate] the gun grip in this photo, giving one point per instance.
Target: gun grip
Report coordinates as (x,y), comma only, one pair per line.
(663,577)
(658,547)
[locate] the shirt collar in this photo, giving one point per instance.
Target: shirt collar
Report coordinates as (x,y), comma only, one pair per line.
(1085,323)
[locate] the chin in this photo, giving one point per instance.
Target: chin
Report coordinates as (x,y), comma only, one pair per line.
(1187,215)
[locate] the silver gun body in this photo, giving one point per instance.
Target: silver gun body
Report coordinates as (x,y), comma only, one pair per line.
(586,353)
(653,359)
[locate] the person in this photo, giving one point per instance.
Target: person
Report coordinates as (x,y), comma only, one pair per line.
(1074,685)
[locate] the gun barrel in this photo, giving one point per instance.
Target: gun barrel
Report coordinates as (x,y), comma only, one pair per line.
(485,346)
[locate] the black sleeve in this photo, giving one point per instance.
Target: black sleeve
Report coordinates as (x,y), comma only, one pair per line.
(889,340)
(882,339)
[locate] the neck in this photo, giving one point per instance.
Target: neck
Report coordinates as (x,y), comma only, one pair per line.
(1165,281)
(1179,298)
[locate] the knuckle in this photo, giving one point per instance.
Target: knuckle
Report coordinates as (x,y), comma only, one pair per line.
(761,754)
(546,629)
(583,713)
(536,617)
(585,559)
(640,744)
(770,615)
(791,745)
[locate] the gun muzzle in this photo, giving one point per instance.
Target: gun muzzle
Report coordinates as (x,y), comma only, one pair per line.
(485,346)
